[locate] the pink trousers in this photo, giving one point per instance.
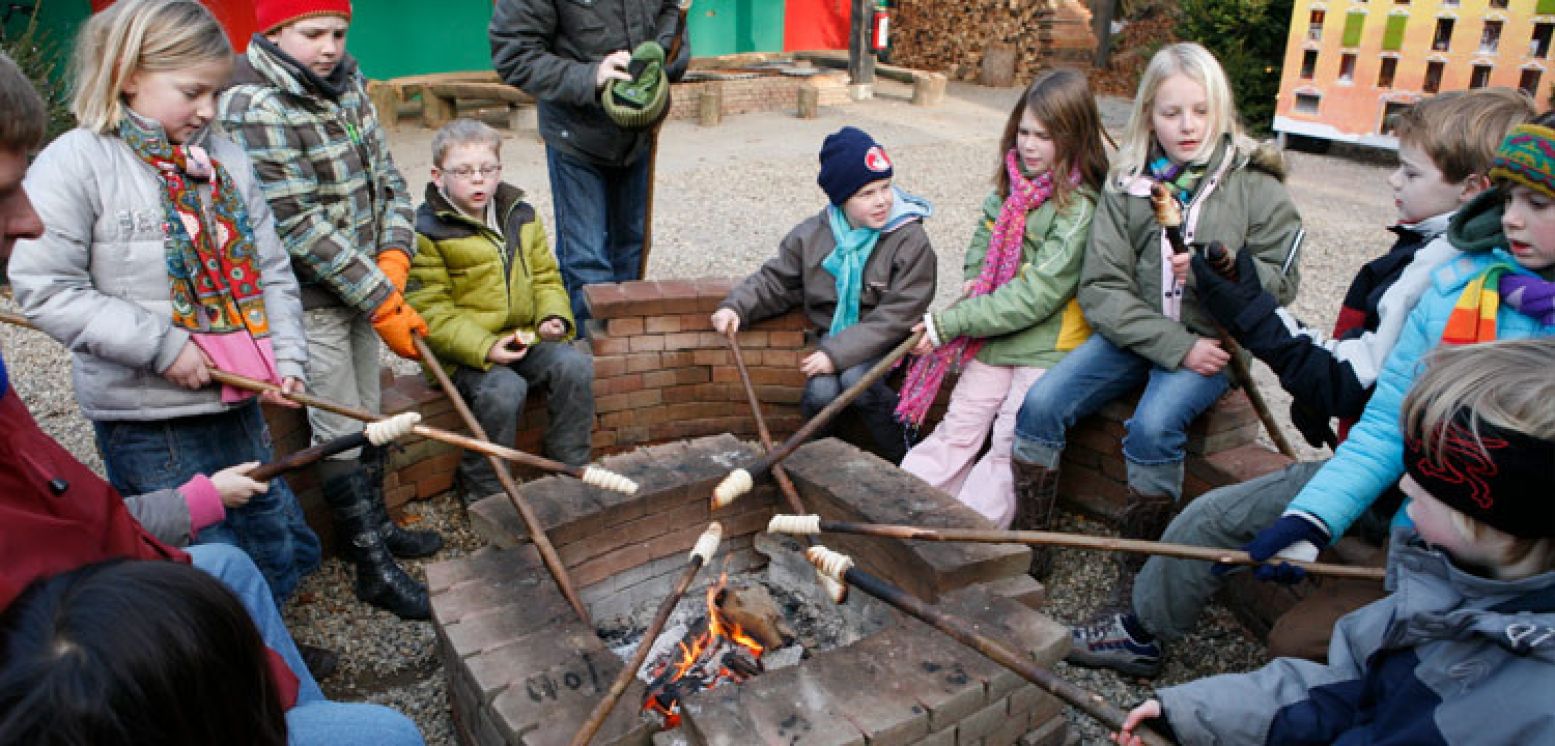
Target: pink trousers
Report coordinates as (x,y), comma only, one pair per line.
(986,396)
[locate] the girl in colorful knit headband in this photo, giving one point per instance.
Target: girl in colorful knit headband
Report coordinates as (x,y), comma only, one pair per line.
(1464,649)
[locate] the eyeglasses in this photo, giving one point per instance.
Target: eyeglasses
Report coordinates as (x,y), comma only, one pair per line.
(466,172)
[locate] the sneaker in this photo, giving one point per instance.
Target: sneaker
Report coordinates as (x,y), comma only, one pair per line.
(321,662)
(1107,643)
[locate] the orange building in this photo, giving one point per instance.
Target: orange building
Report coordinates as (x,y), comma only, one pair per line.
(1351,64)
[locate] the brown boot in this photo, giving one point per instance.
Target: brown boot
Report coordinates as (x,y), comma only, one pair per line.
(1036,498)
(1143,517)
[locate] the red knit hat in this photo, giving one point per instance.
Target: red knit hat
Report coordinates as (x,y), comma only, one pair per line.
(272,14)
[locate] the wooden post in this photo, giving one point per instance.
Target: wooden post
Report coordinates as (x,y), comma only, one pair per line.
(809,101)
(1101,24)
(928,89)
(710,104)
(436,110)
(386,101)
(861,59)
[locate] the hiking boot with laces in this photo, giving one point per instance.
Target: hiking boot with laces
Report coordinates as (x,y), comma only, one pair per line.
(1107,643)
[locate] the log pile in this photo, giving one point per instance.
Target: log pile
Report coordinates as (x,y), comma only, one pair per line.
(953,37)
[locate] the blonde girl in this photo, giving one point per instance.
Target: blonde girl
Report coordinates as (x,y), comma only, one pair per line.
(160,259)
(1151,332)
(1018,316)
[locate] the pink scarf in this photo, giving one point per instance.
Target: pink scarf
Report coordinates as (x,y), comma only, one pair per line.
(999,267)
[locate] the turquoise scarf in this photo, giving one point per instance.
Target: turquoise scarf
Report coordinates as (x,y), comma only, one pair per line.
(846,263)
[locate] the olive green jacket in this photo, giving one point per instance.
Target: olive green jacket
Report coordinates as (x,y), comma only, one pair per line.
(1241,202)
(1032,320)
(473,286)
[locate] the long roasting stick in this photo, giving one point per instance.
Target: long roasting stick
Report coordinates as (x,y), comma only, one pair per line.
(808,525)
(701,554)
(840,566)
(592,474)
(1170,218)
(553,561)
(377,433)
(740,481)
(785,485)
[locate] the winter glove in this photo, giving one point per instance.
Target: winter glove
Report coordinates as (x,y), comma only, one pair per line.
(395,321)
(1294,536)
(396,265)
(1237,304)
(1313,425)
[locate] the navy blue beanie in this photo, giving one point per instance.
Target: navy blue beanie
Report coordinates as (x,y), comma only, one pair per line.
(850,158)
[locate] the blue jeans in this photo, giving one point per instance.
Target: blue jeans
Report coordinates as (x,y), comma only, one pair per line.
(314,720)
(142,457)
(1096,373)
(600,212)
(876,407)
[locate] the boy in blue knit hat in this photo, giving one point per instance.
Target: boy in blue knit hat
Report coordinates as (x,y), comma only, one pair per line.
(862,269)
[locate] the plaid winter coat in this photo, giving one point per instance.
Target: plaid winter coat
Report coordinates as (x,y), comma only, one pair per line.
(325,166)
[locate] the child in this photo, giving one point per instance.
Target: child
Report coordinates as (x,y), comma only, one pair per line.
(160,259)
(1019,316)
(300,108)
(863,271)
(487,284)
(1182,134)
(1501,287)
(1446,145)
(1462,651)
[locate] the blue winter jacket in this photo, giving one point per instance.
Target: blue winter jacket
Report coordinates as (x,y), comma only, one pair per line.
(1371,459)
(1447,658)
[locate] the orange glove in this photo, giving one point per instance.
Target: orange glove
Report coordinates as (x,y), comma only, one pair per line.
(395,264)
(395,321)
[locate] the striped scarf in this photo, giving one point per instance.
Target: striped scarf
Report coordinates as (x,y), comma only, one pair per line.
(1000,264)
(1473,317)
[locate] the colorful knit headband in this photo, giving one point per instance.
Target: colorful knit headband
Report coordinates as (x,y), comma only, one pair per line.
(1527,156)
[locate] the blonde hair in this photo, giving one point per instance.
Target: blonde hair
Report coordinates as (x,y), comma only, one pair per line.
(1508,384)
(1460,130)
(464,131)
(133,36)
(1196,62)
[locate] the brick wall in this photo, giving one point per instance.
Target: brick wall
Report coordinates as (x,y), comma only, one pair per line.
(767,93)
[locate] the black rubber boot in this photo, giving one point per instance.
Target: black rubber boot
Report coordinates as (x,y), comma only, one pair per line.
(1143,517)
(1036,500)
(401,542)
(380,581)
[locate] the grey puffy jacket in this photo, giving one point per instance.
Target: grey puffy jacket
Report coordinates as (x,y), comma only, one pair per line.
(97,279)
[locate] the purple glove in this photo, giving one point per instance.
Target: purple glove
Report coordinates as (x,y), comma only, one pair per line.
(1293,536)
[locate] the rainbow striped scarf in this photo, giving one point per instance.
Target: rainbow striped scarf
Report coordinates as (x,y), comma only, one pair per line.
(1473,317)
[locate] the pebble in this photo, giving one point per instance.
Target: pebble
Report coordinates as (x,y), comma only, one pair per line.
(725,198)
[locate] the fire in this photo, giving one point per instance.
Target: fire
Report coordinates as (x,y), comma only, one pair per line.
(722,653)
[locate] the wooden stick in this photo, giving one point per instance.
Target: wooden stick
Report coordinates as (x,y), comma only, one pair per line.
(592,474)
(804,525)
(841,567)
(298,459)
(701,554)
(740,481)
(553,561)
(653,142)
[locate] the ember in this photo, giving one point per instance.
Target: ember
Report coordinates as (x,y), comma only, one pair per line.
(721,652)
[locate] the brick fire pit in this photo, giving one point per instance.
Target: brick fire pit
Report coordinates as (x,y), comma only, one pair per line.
(523,669)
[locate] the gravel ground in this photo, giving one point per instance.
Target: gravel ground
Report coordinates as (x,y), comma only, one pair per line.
(726,196)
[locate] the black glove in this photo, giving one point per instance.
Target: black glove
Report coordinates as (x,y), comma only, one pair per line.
(1237,304)
(1312,424)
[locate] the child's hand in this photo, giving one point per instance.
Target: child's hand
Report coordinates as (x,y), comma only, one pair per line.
(966,288)
(726,321)
(1205,357)
(289,386)
(552,329)
(924,346)
(612,67)
(1150,709)
(234,486)
(817,364)
(509,349)
(1180,264)
(191,369)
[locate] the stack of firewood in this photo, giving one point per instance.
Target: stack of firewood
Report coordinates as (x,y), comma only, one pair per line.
(953,37)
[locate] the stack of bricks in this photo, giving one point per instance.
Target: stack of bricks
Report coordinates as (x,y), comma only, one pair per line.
(764,93)
(523,669)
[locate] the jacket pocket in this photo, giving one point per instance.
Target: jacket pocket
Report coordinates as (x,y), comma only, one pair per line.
(582,21)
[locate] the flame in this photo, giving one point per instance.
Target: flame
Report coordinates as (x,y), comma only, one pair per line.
(697,654)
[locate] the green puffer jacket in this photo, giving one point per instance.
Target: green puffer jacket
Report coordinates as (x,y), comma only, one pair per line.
(1033,320)
(1241,202)
(472,286)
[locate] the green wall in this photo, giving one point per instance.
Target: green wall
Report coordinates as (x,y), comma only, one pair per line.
(731,26)
(392,38)
(58,21)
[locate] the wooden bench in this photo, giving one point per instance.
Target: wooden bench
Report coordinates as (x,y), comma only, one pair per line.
(441,93)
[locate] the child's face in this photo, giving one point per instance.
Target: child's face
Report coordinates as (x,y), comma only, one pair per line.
(1432,522)
(182,101)
(1529,224)
(1035,145)
(316,43)
(870,206)
(17,218)
(1179,117)
(469,176)
(1420,190)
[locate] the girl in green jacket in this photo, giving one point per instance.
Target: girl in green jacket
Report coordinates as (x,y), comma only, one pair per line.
(1018,315)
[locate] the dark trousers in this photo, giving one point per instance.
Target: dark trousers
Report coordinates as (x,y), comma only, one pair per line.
(876,407)
(600,212)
